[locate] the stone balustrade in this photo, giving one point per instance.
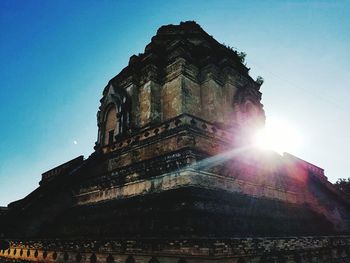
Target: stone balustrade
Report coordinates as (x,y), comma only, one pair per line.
(236,250)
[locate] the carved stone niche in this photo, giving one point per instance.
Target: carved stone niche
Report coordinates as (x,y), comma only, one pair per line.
(114,116)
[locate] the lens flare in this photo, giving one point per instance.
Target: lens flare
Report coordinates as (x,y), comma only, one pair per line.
(279,136)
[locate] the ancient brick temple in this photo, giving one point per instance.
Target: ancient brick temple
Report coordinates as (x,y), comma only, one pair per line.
(174,177)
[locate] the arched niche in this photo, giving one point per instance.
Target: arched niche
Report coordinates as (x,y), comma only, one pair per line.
(114,116)
(111,125)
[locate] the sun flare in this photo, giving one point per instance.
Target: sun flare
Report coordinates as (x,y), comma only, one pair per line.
(279,136)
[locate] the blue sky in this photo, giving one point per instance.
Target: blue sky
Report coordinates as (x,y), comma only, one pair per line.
(57,56)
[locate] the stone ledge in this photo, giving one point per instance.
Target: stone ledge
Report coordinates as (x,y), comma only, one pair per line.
(185,178)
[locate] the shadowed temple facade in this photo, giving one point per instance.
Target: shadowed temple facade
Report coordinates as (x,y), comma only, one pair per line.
(174,176)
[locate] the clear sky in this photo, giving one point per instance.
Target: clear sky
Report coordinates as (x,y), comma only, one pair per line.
(57,56)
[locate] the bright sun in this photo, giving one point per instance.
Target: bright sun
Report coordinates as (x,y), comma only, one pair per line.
(278,136)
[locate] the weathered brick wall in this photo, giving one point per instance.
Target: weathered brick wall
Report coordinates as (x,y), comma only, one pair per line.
(145,103)
(143,164)
(171,99)
(191,94)
(184,71)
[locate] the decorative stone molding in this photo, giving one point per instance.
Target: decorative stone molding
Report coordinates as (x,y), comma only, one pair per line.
(184,120)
